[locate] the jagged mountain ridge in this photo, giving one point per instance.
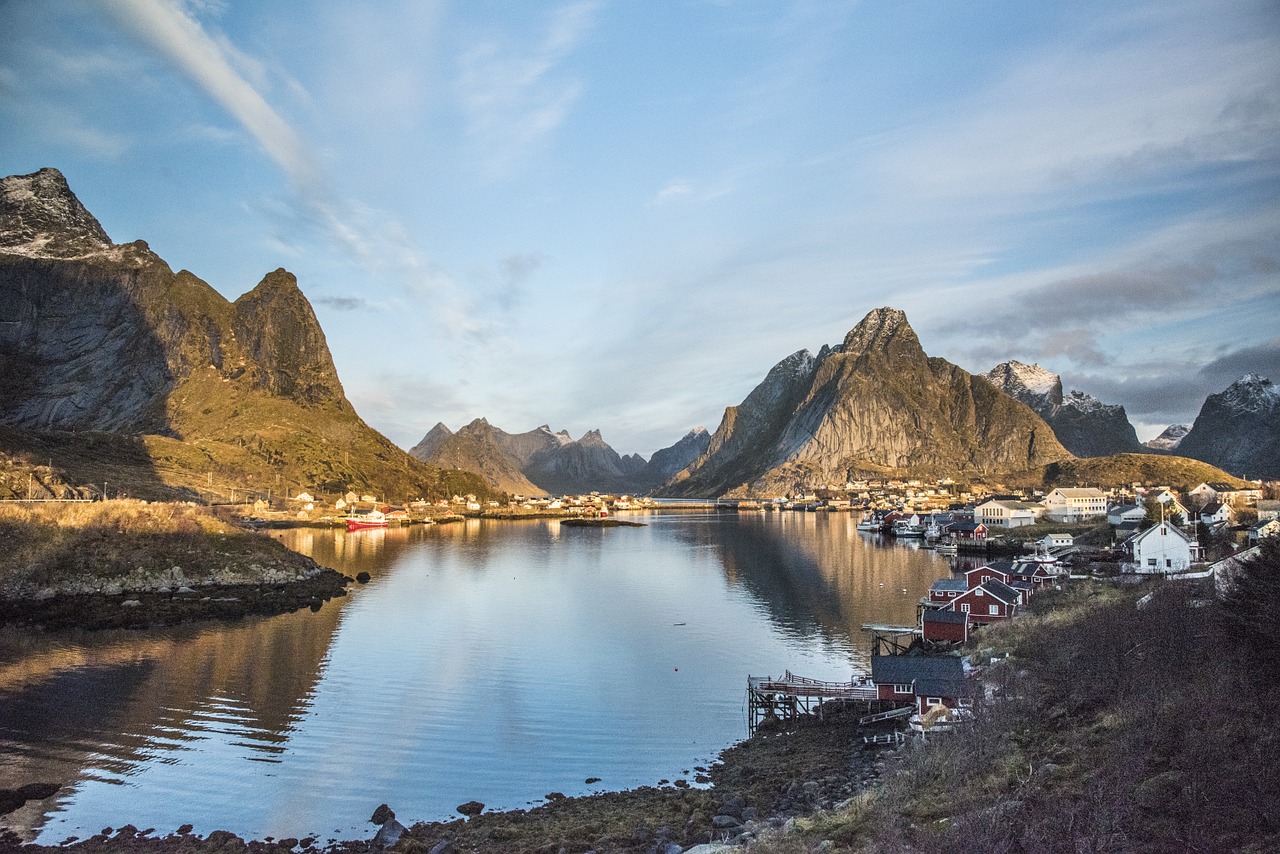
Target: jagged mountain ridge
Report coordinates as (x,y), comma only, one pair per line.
(875,403)
(96,336)
(1238,429)
(1169,439)
(1084,425)
(541,462)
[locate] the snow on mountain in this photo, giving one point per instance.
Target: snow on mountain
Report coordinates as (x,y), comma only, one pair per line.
(1169,439)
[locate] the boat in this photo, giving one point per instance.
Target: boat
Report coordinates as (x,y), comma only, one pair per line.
(904,528)
(372,519)
(947,549)
(869,523)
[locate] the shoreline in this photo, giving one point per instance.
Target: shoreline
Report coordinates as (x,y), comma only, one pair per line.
(758,787)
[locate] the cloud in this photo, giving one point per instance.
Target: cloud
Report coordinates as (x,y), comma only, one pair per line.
(1261,359)
(345,303)
(514,101)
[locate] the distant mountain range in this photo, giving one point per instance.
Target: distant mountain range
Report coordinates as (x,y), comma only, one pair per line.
(120,369)
(1169,439)
(1084,425)
(542,462)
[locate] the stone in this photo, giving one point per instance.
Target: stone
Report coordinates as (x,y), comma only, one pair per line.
(471,808)
(382,814)
(363,577)
(389,834)
(444,846)
(724,822)
(130,603)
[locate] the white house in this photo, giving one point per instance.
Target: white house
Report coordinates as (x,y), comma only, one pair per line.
(1125,514)
(1162,549)
(1075,504)
(1215,513)
(1224,492)
(1268,510)
(1056,541)
(1264,528)
(1007,514)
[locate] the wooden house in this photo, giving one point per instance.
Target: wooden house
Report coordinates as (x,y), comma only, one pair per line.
(989,602)
(922,680)
(942,626)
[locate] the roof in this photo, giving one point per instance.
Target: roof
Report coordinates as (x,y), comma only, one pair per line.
(1219,486)
(1212,508)
(1124,508)
(936,675)
(1155,529)
(1012,504)
(957,584)
(1080,492)
(965,526)
(1001,591)
(939,615)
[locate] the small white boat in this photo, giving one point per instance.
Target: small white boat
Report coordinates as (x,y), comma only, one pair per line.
(947,549)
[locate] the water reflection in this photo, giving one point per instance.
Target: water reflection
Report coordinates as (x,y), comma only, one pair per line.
(487,660)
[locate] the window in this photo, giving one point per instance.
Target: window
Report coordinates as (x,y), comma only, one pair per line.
(1151,561)
(978,592)
(964,609)
(901,689)
(1168,562)
(994,610)
(933,701)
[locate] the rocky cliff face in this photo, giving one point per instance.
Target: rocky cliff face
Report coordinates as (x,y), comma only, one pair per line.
(1239,429)
(874,404)
(481,448)
(1169,439)
(668,462)
(1084,425)
(96,336)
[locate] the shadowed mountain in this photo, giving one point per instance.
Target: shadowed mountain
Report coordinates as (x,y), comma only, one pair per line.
(106,338)
(874,404)
(1084,425)
(1238,429)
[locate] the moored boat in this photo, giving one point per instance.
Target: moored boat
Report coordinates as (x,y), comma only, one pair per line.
(372,519)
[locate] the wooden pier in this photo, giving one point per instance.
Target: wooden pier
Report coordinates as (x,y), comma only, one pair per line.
(787,697)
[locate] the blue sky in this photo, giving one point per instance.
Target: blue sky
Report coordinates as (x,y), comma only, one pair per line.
(620,215)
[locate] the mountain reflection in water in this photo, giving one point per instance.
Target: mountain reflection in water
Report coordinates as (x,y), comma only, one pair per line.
(495,661)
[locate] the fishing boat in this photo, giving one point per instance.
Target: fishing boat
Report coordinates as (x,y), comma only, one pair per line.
(869,523)
(372,519)
(947,549)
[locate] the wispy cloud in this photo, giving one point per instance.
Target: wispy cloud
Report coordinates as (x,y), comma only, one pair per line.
(514,99)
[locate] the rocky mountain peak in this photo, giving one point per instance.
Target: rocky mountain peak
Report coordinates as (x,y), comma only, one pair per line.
(880,330)
(41,217)
(1169,439)
(593,438)
(1251,393)
(289,355)
(1027,382)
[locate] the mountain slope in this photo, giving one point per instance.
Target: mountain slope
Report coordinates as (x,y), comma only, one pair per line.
(1169,439)
(876,403)
(1084,425)
(105,338)
(1238,429)
(479,448)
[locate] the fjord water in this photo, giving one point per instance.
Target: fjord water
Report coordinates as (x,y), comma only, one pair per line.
(494,661)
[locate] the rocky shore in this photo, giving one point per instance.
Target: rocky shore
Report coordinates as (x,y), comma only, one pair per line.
(758,790)
(135,565)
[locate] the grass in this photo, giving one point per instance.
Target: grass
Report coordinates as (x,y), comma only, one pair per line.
(66,546)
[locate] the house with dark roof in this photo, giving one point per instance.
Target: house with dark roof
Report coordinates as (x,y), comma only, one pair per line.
(944,590)
(967,532)
(989,602)
(923,680)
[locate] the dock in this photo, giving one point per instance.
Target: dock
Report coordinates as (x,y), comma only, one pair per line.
(787,697)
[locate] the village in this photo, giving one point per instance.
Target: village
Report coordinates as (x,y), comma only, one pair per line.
(918,675)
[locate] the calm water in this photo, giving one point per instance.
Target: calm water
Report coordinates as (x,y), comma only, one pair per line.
(494,661)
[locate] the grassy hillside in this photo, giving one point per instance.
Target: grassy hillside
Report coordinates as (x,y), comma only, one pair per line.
(1123,469)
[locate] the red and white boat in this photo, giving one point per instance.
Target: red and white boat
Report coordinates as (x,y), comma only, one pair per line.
(372,519)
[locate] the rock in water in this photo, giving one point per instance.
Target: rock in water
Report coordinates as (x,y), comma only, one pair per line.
(471,808)
(389,834)
(382,814)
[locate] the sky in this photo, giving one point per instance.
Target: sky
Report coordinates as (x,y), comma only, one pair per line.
(619,215)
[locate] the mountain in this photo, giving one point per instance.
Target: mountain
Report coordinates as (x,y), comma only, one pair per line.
(185,390)
(1239,429)
(1170,439)
(479,448)
(668,462)
(874,404)
(542,462)
(1084,425)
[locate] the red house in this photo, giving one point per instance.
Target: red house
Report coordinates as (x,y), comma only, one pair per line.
(944,590)
(989,602)
(967,532)
(923,680)
(942,626)
(1000,571)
